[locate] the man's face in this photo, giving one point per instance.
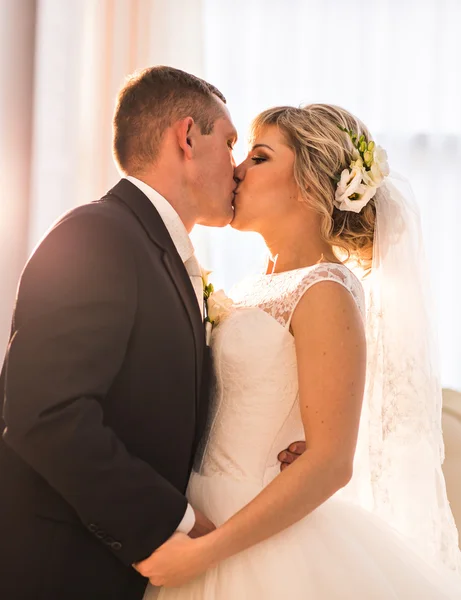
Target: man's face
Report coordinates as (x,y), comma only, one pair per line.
(213,181)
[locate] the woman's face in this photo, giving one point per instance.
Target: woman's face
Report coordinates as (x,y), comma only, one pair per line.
(267,192)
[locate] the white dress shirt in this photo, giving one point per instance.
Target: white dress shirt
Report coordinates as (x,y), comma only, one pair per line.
(183,244)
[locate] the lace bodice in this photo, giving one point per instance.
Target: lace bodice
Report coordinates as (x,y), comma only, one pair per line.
(255,412)
(279,294)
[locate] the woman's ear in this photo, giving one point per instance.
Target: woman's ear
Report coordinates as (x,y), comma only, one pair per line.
(303,196)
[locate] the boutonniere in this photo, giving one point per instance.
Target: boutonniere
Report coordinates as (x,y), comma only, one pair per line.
(217,305)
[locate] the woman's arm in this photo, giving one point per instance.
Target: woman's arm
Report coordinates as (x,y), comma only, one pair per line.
(331,356)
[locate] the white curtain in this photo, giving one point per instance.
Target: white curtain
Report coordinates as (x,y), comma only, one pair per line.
(61,64)
(17,27)
(394,63)
(85,49)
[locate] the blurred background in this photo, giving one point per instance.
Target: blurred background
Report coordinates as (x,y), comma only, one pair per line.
(395,63)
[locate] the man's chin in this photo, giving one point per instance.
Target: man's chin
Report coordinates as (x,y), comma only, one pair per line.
(217,221)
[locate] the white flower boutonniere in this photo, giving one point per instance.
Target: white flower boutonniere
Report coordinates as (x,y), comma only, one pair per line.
(217,305)
(205,278)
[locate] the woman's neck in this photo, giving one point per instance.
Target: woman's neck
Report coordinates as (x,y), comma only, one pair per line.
(296,248)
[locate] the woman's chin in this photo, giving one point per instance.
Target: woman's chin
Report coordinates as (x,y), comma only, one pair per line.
(236,222)
(241,222)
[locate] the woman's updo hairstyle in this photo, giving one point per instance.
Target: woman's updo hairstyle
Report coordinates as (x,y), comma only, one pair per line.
(322,151)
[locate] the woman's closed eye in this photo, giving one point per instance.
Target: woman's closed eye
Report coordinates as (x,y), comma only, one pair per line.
(258,159)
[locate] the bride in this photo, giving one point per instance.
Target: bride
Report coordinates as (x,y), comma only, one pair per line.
(362,513)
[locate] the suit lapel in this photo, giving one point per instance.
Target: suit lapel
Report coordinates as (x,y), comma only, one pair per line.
(152,223)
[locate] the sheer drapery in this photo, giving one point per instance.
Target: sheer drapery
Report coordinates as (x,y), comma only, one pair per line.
(17,26)
(61,64)
(393,63)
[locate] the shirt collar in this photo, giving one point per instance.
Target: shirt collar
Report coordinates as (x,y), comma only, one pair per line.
(170,218)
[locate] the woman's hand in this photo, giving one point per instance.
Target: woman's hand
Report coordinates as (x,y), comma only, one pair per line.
(176,562)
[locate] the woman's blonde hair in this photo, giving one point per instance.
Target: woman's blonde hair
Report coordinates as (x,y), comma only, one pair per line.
(322,152)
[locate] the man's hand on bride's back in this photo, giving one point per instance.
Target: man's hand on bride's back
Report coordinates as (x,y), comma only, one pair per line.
(288,456)
(202,525)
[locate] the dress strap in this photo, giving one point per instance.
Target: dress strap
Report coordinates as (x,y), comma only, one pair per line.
(336,273)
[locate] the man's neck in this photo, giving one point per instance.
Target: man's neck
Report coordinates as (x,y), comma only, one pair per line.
(173,194)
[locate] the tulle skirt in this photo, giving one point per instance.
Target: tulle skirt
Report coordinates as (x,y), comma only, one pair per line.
(338,552)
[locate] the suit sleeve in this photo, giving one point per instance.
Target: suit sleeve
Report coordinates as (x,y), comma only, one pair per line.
(74,315)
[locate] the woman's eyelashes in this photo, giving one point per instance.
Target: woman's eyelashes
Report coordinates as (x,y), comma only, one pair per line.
(258,159)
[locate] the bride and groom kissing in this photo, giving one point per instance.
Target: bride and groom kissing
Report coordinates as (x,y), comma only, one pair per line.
(128,461)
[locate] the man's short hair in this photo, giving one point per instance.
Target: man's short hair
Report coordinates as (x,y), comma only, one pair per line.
(151,101)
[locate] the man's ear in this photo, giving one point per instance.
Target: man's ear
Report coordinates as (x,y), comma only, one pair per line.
(185,134)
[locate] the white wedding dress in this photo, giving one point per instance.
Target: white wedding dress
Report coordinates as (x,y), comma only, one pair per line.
(338,552)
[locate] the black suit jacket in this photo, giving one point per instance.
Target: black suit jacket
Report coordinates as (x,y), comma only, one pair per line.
(105,397)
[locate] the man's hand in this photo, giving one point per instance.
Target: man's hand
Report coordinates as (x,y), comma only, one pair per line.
(202,525)
(288,456)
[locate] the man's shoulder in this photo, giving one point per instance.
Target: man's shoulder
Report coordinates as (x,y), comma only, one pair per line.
(105,215)
(102,223)
(105,209)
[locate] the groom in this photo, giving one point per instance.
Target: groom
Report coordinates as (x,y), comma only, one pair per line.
(105,381)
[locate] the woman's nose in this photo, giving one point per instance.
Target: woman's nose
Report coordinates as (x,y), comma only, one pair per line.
(239,173)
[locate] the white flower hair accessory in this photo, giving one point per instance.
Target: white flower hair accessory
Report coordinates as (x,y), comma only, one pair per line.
(358,184)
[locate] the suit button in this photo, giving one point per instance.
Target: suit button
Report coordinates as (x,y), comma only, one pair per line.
(116,546)
(100,534)
(108,540)
(92,527)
